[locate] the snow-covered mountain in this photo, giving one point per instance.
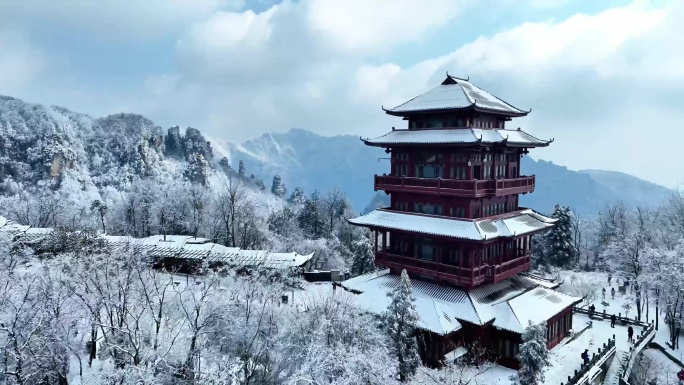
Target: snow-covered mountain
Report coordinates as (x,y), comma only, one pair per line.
(313,162)
(40,143)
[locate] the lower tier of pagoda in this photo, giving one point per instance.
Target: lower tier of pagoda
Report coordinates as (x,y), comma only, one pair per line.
(460,252)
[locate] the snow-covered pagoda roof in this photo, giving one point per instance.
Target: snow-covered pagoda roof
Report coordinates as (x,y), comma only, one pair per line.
(456,94)
(508,304)
(458,137)
(504,226)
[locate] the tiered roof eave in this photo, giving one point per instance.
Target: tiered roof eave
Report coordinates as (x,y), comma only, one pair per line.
(460,137)
(506,305)
(507,226)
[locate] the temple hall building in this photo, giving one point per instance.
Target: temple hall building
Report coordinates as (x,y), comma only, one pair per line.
(454,224)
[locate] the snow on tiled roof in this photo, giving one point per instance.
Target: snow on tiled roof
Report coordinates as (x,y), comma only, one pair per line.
(457,136)
(540,304)
(455,93)
(442,308)
(439,307)
(547,283)
(523,222)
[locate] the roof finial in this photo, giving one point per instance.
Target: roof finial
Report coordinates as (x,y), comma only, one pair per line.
(551,141)
(529,110)
(393,128)
(448,74)
(468,78)
(383,108)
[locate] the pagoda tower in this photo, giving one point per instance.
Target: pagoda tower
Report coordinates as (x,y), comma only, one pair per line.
(454,184)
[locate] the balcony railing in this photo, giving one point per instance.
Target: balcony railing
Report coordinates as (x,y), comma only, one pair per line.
(465,276)
(510,268)
(456,187)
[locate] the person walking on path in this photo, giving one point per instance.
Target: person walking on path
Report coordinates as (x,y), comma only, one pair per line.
(612,321)
(592,309)
(612,292)
(603,291)
(585,356)
(630,334)
(610,278)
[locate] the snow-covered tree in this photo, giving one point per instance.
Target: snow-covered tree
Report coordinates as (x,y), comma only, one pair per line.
(364,259)
(626,253)
(284,223)
(311,217)
(101,210)
(334,205)
(664,276)
(277,187)
(297,197)
(241,169)
(533,356)
(401,320)
(560,239)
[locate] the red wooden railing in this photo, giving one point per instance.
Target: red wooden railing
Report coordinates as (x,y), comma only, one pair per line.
(461,275)
(456,187)
(509,268)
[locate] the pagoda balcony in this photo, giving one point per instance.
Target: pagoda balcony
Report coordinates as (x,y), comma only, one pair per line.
(455,187)
(462,276)
(498,273)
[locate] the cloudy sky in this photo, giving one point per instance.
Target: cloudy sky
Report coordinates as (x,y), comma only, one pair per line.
(604,78)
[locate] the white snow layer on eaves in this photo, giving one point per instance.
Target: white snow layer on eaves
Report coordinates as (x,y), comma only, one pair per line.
(452,96)
(521,223)
(457,136)
(440,307)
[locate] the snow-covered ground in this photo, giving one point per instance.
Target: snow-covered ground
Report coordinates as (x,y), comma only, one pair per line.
(582,281)
(566,357)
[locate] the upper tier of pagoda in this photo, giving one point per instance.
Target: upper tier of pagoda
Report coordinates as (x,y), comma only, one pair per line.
(456,95)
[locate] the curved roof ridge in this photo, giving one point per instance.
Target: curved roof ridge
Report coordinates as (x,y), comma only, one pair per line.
(528,134)
(497,98)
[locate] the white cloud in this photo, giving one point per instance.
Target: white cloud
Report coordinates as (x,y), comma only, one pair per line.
(21,64)
(361,25)
(115,19)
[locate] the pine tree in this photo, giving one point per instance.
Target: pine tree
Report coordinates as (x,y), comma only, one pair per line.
(311,217)
(259,184)
(560,243)
(364,258)
(401,320)
(278,188)
(241,169)
(533,356)
(297,197)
